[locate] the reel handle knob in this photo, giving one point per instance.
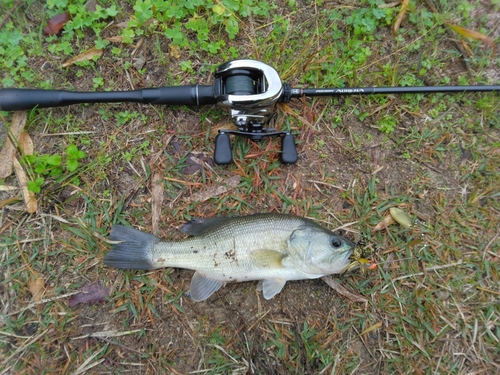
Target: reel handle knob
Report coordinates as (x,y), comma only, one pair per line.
(223,154)
(288,150)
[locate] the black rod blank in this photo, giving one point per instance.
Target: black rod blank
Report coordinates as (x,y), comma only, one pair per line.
(297,93)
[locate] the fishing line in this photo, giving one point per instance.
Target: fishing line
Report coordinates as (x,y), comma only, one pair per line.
(240,85)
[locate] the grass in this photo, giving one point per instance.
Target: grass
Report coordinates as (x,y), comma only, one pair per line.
(433,302)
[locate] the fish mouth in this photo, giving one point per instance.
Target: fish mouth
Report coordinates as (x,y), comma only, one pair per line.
(340,261)
(343,256)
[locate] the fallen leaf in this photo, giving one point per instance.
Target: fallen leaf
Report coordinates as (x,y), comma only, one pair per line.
(79,260)
(36,287)
(8,201)
(115,39)
(56,23)
(401,15)
(139,62)
(401,217)
(87,55)
(89,294)
(343,291)
(8,150)
(467,49)
(415,242)
(472,34)
(175,51)
(384,223)
(123,24)
(389,5)
(215,190)
(157,196)
(196,162)
(372,328)
(26,144)
(28,196)
(218,9)
(91,6)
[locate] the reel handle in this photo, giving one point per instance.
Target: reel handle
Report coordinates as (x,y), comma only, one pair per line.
(223,151)
(223,154)
(288,150)
(24,99)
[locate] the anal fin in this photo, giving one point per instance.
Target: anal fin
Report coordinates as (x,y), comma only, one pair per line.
(203,287)
(271,287)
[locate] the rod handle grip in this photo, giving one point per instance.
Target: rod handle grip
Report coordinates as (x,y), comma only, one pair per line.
(12,99)
(24,99)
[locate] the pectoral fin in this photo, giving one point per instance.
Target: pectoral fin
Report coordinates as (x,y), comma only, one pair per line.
(271,287)
(267,258)
(203,287)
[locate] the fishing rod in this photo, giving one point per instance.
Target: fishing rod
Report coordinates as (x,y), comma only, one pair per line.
(249,89)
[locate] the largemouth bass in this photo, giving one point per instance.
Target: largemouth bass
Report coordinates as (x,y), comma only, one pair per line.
(272,248)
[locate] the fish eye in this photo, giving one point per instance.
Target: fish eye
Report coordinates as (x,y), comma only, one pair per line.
(336,242)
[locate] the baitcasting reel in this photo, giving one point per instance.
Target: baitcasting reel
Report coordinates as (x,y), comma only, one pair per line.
(249,89)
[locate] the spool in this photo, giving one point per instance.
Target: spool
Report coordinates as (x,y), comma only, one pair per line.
(240,85)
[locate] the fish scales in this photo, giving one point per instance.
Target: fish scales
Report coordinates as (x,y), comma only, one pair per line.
(225,251)
(272,248)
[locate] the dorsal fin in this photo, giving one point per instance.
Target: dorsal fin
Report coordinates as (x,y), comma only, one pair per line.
(197,226)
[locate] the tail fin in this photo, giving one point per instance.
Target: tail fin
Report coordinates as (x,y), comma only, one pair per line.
(135,250)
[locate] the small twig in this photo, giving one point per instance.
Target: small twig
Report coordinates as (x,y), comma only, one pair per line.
(431,167)
(465,60)
(106,334)
(13,335)
(489,244)
(258,320)
(431,6)
(85,365)
(23,346)
(326,184)
(226,353)
(346,225)
(343,291)
(488,290)
(435,268)
(22,242)
(183,182)
(117,344)
(360,336)
(350,152)
(67,133)
(42,302)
